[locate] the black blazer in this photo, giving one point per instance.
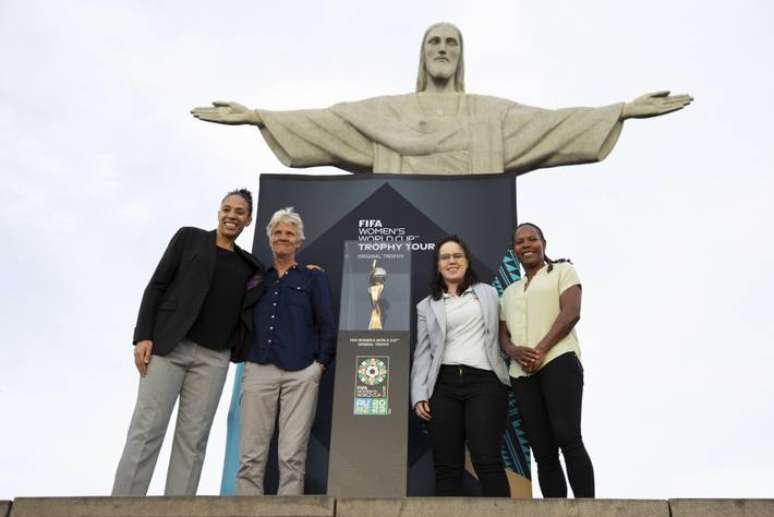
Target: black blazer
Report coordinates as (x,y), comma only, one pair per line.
(176,291)
(255,287)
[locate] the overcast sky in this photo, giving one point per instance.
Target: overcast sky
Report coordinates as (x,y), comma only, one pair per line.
(100,163)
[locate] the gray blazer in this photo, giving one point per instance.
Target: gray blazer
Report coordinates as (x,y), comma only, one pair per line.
(431,340)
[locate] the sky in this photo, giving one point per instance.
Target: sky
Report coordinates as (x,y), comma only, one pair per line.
(100,163)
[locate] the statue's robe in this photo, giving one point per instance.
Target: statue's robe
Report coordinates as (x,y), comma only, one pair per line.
(400,134)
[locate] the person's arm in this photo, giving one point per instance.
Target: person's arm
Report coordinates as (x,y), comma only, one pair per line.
(154,292)
(420,368)
(322,304)
(569,315)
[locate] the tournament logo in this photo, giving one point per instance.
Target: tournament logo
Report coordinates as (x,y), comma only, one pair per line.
(372,385)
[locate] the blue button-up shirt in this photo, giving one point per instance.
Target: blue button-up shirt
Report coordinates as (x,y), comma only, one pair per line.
(294,322)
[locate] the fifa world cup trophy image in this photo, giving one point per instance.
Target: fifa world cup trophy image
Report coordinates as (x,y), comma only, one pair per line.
(375,287)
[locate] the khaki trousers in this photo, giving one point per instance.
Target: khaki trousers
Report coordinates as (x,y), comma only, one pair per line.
(196,375)
(264,388)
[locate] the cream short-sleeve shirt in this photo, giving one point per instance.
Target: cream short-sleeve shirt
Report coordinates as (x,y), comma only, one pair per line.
(529,311)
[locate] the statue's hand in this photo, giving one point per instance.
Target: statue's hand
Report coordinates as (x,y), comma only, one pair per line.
(654,104)
(231,113)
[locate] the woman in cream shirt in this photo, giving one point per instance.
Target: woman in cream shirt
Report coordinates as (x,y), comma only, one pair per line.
(538,315)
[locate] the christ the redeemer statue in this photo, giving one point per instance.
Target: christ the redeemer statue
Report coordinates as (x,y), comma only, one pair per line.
(440,129)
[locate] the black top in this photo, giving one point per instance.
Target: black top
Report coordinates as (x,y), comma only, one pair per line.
(219,316)
(175,295)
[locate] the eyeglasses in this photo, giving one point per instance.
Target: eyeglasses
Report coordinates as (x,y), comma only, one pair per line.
(448,256)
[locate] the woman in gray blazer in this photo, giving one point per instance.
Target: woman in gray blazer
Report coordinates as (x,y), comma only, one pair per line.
(458,379)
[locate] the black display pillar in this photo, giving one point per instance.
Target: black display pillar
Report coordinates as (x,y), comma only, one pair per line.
(369,433)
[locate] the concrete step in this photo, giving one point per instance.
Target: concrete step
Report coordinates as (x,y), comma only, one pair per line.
(269,506)
(491,507)
(722,507)
(320,506)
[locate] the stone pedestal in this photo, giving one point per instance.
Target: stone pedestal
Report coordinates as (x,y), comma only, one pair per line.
(320,506)
(491,507)
(267,506)
(721,507)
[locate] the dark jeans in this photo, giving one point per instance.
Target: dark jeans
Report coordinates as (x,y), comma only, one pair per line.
(470,405)
(550,406)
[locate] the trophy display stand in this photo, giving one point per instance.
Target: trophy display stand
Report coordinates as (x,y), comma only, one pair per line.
(369,434)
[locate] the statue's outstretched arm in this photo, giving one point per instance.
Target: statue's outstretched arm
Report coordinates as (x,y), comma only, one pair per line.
(654,104)
(232,113)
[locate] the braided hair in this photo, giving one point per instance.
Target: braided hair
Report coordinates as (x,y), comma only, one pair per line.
(549,261)
(244,194)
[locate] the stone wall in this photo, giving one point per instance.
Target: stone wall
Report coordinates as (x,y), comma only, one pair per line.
(320,506)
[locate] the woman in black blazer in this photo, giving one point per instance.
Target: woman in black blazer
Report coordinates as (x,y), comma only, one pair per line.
(186,328)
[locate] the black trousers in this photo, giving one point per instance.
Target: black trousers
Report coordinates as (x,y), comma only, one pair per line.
(550,406)
(470,405)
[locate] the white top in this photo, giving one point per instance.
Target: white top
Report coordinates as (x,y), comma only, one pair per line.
(465,331)
(529,311)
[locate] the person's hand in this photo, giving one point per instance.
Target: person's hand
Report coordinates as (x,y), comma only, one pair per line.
(232,113)
(322,366)
(536,361)
(654,104)
(142,355)
(523,355)
(422,409)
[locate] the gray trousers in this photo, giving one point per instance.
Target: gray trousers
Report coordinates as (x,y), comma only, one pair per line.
(264,387)
(195,374)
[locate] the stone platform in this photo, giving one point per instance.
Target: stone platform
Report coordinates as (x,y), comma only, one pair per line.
(321,506)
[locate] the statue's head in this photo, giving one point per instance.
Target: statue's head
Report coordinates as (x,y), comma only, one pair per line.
(441,56)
